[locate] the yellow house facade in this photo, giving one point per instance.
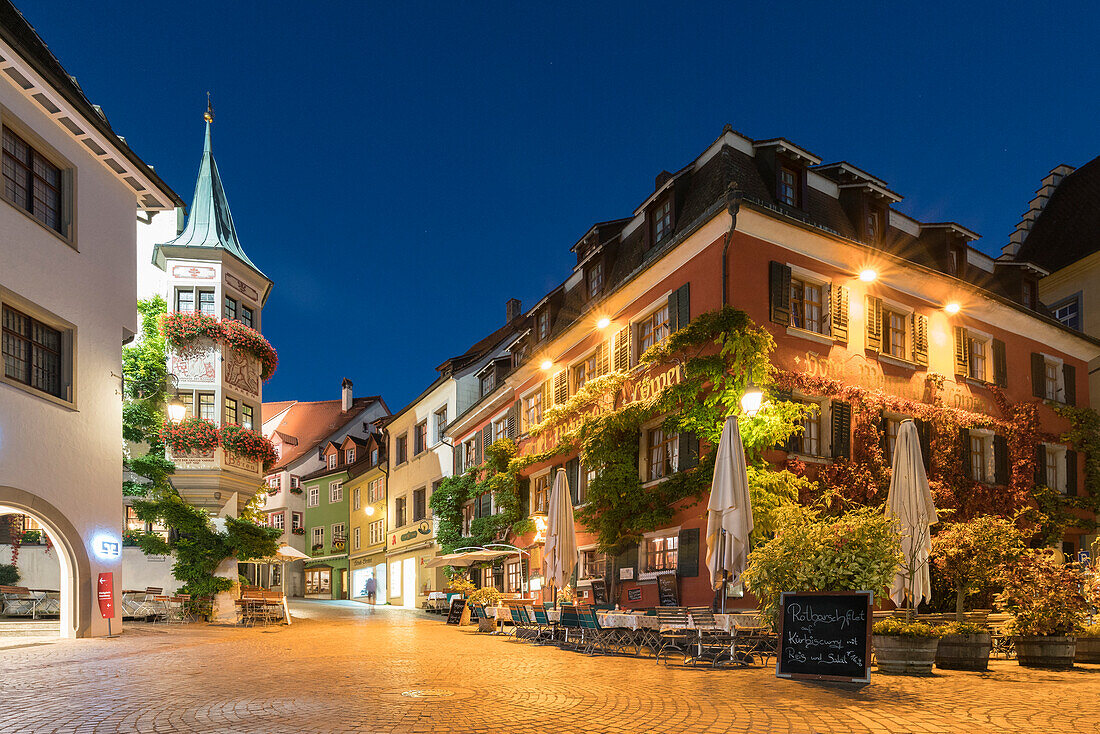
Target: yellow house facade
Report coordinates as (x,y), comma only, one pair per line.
(367,526)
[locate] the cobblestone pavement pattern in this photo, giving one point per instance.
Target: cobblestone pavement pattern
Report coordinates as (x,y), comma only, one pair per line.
(344,667)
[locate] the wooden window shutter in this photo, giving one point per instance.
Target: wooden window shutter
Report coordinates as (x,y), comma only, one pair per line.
(920,339)
(1071,473)
(962,352)
(525,495)
(679,307)
(628,558)
(622,350)
(873,316)
(1000,364)
(513,418)
(924,438)
(573,477)
(1069,379)
(964,443)
(456,460)
(1000,460)
(688,451)
(779,285)
(487,435)
(687,554)
(561,387)
(486,502)
(1038,375)
(838,312)
(601,359)
(841,429)
(478,448)
(547,397)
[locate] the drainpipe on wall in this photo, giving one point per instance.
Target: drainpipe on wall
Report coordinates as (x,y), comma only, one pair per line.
(733,205)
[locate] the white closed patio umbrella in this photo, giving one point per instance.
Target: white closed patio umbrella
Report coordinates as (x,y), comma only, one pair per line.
(284,555)
(729,511)
(560,556)
(910,504)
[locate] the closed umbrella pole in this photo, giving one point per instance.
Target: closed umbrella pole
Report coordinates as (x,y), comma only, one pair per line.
(910,504)
(561,555)
(729,512)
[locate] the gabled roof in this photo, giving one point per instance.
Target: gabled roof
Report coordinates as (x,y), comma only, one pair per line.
(1068,228)
(209,223)
(310,423)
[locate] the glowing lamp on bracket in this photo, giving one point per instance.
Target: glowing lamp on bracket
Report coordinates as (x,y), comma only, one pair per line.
(546,364)
(952,308)
(752,400)
(603,323)
(868,275)
(176,410)
(370,510)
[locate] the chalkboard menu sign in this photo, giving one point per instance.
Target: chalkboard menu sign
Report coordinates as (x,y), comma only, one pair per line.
(825,635)
(667,592)
(599,591)
(454,614)
(633,594)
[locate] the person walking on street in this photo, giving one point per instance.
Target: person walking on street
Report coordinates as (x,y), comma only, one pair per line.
(370,589)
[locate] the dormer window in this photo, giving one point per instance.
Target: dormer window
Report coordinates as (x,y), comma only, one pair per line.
(544,324)
(1029,298)
(662,221)
(594,276)
(349,456)
(488,382)
(788,188)
(874,224)
(332,459)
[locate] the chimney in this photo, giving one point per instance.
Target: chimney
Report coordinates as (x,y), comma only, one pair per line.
(514,309)
(345,395)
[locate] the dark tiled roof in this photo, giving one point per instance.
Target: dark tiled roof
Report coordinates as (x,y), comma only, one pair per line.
(311,423)
(1068,228)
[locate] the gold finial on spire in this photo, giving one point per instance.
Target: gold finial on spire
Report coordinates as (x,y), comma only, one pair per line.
(209,114)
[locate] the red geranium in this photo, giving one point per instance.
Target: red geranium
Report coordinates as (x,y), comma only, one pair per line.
(248,444)
(190,434)
(181,329)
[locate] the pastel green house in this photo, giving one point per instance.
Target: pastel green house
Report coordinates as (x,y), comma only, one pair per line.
(326,524)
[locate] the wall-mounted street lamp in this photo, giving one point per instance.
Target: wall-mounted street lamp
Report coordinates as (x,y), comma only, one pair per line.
(603,323)
(868,275)
(952,308)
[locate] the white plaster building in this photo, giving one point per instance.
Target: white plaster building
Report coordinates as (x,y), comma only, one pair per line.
(67,293)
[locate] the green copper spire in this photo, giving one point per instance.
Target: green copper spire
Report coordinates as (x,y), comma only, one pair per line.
(210,223)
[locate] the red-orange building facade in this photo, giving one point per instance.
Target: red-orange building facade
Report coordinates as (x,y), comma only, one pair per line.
(801,236)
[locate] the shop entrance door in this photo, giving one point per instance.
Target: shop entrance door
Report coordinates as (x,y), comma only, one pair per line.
(408,583)
(343,583)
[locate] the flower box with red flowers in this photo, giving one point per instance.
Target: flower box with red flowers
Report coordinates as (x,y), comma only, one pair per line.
(299,531)
(248,444)
(192,434)
(182,330)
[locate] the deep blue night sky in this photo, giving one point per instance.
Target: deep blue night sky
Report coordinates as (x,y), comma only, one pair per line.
(401,169)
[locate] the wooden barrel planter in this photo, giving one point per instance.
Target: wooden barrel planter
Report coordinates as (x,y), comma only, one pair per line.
(964,652)
(905,655)
(1046,651)
(1088,650)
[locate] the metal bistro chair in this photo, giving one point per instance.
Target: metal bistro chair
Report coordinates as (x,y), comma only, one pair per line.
(523,627)
(160,609)
(755,642)
(607,640)
(713,643)
(477,612)
(571,621)
(544,628)
(674,632)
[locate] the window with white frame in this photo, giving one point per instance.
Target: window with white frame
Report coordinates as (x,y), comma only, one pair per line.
(440,423)
(586,477)
(808,305)
(277,520)
(356,537)
(662,453)
(981,456)
(592,564)
(532,409)
(661,552)
(313,496)
(296,520)
(374,490)
(349,456)
(540,493)
(339,535)
(1053,381)
(336,492)
(653,329)
(376,531)
(981,358)
(355,499)
(895,332)
(318,535)
(295,482)
(500,429)
(1068,312)
(469,454)
(275,482)
(662,221)
(809,441)
(332,459)
(1054,467)
(513,577)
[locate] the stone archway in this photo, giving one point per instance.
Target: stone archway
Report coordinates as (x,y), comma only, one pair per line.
(76,570)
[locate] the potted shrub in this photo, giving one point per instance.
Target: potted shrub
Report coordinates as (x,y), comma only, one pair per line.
(811,552)
(964,646)
(9,574)
(488,596)
(969,557)
(1088,644)
(1045,599)
(905,647)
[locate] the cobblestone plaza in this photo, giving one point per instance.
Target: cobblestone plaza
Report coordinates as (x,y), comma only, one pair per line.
(347,667)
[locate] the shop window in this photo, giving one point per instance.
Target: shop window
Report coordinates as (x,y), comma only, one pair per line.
(661,553)
(318,581)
